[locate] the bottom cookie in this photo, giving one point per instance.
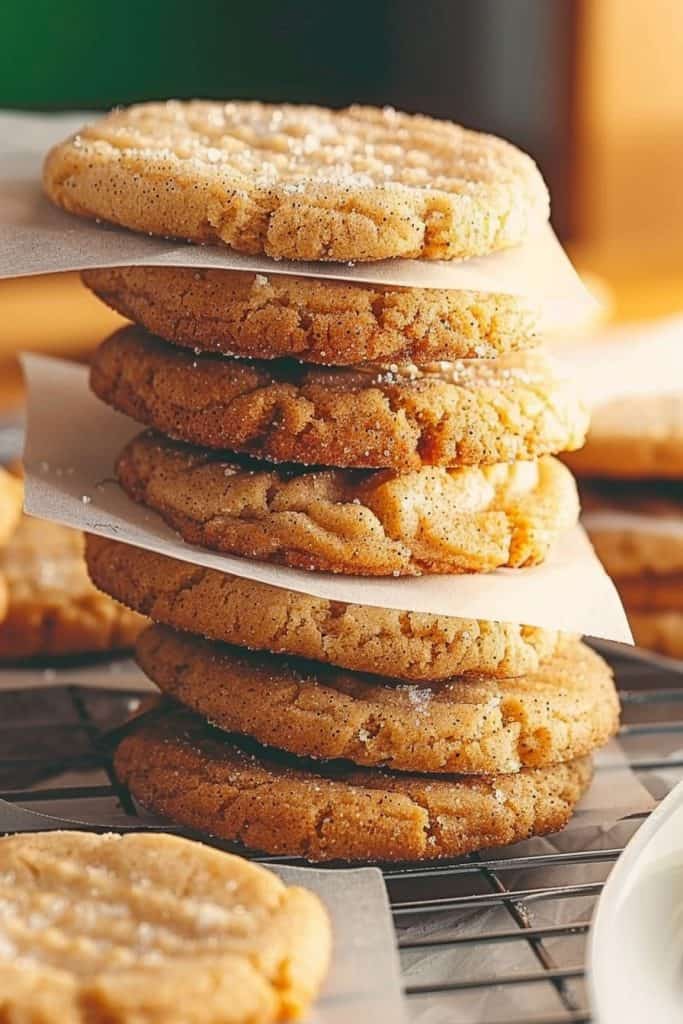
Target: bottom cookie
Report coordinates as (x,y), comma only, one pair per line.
(182,768)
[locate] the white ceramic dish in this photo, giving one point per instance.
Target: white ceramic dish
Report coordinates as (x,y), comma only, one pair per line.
(635,952)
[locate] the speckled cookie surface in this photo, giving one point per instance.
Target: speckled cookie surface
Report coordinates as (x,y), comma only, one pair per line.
(313,319)
(658,630)
(480,412)
(191,773)
(218,606)
(140,929)
(636,438)
(563,711)
(355,522)
(300,182)
(11,500)
(53,608)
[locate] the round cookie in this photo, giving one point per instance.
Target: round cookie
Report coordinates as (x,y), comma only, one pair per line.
(658,630)
(151,928)
(313,319)
(11,500)
(53,608)
(361,523)
(218,606)
(651,592)
(300,182)
(563,711)
(178,766)
(470,413)
(638,437)
(636,527)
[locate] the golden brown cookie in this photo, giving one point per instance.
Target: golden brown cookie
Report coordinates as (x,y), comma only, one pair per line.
(11,500)
(636,527)
(313,319)
(300,182)
(652,592)
(563,711)
(406,645)
(356,522)
(178,766)
(53,607)
(471,413)
(140,929)
(658,630)
(638,437)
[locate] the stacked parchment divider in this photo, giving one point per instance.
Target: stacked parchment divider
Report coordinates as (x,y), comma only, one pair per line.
(347,428)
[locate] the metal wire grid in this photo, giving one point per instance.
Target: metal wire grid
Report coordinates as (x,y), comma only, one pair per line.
(497,939)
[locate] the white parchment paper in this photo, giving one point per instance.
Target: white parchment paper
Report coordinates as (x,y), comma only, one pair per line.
(73,440)
(38,238)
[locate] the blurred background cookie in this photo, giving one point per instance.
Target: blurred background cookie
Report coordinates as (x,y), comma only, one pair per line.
(52,608)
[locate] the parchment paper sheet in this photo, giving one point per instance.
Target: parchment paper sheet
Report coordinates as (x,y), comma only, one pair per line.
(73,440)
(37,238)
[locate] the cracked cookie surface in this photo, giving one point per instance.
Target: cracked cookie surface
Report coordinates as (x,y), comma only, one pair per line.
(219,606)
(312,319)
(480,412)
(369,523)
(52,607)
(140,929)
(563,711)
(300,182)
(180,767)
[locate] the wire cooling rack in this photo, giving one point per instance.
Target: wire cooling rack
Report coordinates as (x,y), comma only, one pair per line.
(498,939)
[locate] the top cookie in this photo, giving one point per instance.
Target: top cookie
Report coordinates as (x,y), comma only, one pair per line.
(300,182)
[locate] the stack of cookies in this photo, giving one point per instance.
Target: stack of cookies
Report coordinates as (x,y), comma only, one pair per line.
(632,487)
(347,428)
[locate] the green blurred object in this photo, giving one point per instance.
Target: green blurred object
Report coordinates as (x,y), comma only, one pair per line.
(86,54)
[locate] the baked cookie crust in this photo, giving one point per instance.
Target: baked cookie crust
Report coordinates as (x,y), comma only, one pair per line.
(179,767)
(382,641)
(358,523)
(149,928)
(472,413)
(300,182)
(312,319)
(563,711)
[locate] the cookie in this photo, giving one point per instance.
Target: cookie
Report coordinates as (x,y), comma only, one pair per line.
(182,768)
(638,437)
(313,319)
(11,500)
(300,182)
(53,608)
(563,711)
(150,928)
(356,522)
(472,413)
(651,592)
(658,630)
(218,606)
(636,527)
